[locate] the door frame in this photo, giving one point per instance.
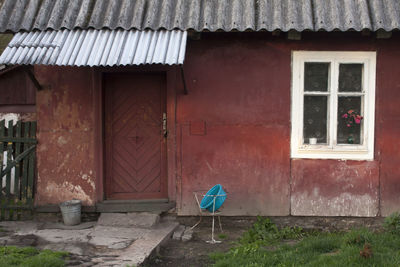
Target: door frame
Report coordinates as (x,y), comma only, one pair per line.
(172,80)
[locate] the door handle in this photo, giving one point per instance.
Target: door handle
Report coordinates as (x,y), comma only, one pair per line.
(164,125)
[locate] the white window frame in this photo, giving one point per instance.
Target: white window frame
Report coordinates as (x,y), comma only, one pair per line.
(365,151)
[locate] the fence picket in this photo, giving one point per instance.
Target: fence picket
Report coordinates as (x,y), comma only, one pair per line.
(9,197)
(9,160)
(24,183)
(2,133)
(31,171)
(2,196)
(17,192)
(17,167)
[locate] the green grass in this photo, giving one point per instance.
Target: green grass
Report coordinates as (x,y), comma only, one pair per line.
(222,236)
(30,257)
(392,223)
(263,245)
(264,231)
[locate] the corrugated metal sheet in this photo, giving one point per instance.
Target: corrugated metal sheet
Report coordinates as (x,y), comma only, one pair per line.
(200,15)
(96,48)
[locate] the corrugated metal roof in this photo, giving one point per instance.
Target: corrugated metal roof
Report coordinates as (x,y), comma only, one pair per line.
(200,15)
(96,48)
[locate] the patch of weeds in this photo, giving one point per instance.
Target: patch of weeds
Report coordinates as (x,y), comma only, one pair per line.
(324,243)
(291,233)
(358,237)
(392,223)
(237,256)
(359,247)
(265,232)
(222,236)
(30,257)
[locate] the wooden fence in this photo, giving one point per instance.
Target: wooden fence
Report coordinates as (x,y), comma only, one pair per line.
(17,162)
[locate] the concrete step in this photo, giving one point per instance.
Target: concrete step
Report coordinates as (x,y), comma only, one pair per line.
(132,219)
(154,206)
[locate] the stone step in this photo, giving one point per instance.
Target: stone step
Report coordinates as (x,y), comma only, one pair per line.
(155,206)
(131,219)
(178,233)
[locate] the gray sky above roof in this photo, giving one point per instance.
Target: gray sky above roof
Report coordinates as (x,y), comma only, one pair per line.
(200,15)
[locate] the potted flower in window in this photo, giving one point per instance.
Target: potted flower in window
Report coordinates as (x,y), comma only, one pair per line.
(352,118)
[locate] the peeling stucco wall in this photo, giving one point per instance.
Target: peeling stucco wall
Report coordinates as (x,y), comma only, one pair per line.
(335,188)
(65,153)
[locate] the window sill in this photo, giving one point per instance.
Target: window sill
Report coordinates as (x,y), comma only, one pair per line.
(341,154)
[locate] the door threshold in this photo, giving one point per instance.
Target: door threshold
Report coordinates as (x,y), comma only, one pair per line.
(112,201)
(152,206)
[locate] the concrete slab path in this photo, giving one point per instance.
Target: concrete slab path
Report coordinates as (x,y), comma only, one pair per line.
(103,244)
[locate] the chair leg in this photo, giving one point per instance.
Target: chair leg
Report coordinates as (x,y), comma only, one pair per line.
(200,212)
(194,226)
(220,224)
(212,229)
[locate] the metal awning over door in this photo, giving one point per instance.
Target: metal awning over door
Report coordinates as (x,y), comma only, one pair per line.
(96,48)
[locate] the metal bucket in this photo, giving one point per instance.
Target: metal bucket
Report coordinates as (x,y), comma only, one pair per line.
(71,212)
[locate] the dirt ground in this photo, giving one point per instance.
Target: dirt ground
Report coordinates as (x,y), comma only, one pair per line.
(176,253)
(195,252)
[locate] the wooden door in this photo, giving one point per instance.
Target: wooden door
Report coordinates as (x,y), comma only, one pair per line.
(135,146)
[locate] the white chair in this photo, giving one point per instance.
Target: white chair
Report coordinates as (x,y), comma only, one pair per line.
(202,213)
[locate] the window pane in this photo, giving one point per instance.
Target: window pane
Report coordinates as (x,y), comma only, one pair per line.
(349,120)
(316,76)
(350,77)
(315,117)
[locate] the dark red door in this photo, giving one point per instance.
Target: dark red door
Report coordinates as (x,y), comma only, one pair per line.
(134,136)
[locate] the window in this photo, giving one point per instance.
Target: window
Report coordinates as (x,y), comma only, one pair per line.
(333,105)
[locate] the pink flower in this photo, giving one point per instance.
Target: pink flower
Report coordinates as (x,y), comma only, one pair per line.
(352,117)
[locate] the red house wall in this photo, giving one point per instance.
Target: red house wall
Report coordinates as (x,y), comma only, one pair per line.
(65,151)
(387,124)
(240,90)
(233,128)
(239,86)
